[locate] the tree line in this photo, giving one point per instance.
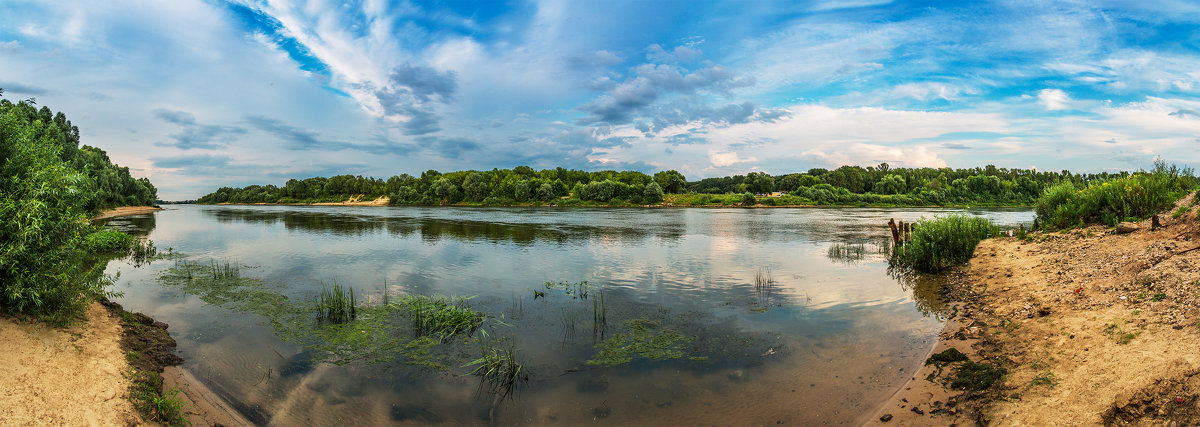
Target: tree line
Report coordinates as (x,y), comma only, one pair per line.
(49,186)
(846,185)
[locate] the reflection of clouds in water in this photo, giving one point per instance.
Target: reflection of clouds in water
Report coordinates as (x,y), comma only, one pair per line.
(673,260)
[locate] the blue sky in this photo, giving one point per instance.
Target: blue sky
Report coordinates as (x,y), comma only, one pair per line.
(201,94)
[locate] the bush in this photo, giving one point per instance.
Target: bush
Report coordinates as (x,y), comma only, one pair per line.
(748,199)
(942,242)
(42,202)
(107,242)
(1108,202)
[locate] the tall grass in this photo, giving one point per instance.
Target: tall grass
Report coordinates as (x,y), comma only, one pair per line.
(337,305)
(1131,198)
(942,242)
(441,317)
(599,316)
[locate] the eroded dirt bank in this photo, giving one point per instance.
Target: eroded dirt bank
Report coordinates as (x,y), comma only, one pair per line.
(1090,326)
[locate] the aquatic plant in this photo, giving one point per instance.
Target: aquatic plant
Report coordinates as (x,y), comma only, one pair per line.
(599,316)
(942,242)
(224,270)
(763,280)
(336,305)
(500,368)
(576,290)
(846,252)
(645,339)
(441,317)
(569,320)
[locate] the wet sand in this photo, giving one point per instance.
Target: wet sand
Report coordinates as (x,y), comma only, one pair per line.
(126,210)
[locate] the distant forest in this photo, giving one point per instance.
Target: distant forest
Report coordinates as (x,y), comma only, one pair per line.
(107,185)
(847,185)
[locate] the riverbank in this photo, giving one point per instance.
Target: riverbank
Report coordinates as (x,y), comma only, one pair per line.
(126,210)
(1092,327)
(65,376)
(383,201)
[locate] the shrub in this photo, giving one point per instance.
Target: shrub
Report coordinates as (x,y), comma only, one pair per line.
(107,242)
(942,242)
(42,202)
(748,199)
(652,194)
(1108,202)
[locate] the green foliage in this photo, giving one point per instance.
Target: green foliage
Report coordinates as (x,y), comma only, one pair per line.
(500,367)
(108,242)
(973,376)
(337,305)
(1127,198)
(43,202)
(942,242)
(748,199)
(441,317)
(653,194)
(644,340)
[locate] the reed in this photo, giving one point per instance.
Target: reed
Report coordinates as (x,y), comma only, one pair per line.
(942,242)
(847,252)
(763,280)
(337,305)
(224,270)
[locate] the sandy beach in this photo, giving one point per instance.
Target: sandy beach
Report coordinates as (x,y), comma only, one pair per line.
(1093,327)
(126,210)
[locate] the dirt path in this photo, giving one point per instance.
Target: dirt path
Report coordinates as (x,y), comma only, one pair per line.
(126,210)
(1092,328)
(71,376)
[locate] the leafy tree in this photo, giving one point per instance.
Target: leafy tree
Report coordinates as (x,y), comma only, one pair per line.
(545,192)
(748,199)
(42,201)
(891,184)
(652,194)
(670,181)
(521,191)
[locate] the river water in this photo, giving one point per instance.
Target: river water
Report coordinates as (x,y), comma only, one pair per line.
(719,316)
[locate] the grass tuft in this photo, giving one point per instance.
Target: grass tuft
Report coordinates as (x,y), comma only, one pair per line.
(337,305)
(441,317)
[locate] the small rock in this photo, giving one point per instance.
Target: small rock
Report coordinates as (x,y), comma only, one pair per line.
(917,411)
(885,418)
(1177,327)
(1127,227)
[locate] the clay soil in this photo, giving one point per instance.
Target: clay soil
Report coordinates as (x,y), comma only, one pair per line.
(1091,326)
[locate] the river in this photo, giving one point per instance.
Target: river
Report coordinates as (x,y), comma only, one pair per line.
(650,317)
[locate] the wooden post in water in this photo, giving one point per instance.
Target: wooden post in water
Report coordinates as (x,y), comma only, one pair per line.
(907,232)
(901,225)
(895,232)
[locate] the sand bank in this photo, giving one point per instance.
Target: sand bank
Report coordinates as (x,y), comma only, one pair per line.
(1092,327)
(126,210)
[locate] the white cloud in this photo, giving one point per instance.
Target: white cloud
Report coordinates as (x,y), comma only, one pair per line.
(1054,99)
(726,159)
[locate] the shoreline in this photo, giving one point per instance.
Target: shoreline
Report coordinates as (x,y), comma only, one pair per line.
(659,206)
(125,211)
(1089,327)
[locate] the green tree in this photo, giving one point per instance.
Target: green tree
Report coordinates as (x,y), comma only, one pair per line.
(670,181)
(42,202)
(652,194)
(891,184)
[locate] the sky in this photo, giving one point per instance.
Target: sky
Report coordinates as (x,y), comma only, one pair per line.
(197,95)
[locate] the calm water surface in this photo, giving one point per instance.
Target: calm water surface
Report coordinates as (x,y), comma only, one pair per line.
(831,337)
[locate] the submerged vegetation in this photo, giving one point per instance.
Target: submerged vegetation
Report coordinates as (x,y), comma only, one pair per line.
(644,339)
(500,368)
(942,242)
(441,317)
